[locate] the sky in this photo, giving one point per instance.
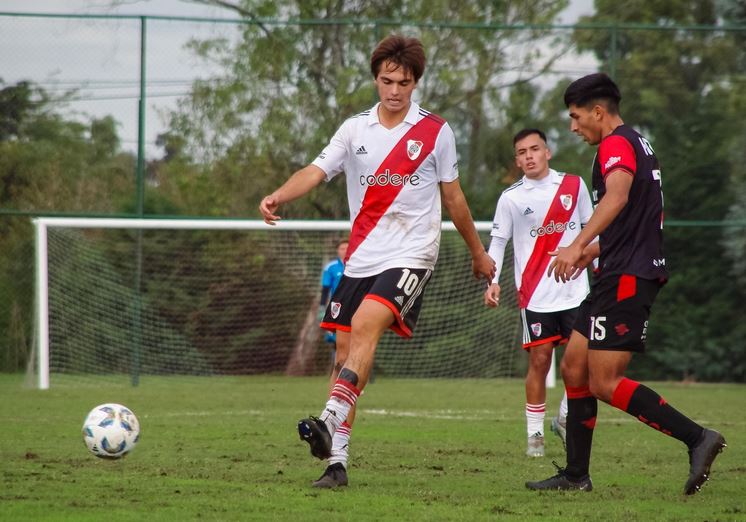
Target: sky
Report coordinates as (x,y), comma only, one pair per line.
(101,58)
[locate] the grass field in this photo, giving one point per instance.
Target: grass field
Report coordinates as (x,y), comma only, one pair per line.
(226,449)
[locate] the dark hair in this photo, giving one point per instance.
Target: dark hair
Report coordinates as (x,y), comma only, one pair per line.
(407,53)
(528,132)
(594,88)
(342,241)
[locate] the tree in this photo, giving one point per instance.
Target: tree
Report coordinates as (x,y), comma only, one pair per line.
(47,163)
(287,87)
(677,87)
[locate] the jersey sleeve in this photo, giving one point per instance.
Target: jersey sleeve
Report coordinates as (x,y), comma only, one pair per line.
(332,158)
(502,224)
(326,277)
(585,206)
(446,160)
(615,152)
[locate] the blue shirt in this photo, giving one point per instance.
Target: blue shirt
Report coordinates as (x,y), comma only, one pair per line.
(332,275)
(330,278)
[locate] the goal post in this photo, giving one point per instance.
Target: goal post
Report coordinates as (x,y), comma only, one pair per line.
(125,297)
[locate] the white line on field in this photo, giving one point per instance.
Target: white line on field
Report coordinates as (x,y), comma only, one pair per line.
(457,415)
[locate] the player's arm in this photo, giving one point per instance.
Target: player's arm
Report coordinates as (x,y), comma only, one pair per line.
(618,183)
(497,253)
(299,184)
(455,203)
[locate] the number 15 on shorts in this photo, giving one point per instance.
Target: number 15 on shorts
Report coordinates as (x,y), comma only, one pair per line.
(598,328)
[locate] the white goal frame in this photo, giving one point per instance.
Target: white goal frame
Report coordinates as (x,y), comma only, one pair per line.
(42,224)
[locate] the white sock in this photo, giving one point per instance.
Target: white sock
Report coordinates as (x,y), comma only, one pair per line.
(563,409)
(535,418)
(341,445)
(343,397)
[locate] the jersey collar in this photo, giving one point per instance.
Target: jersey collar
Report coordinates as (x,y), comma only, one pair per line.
(412,117)
(553,178)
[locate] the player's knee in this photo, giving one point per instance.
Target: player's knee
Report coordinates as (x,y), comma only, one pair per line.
(541,361)
(600,389)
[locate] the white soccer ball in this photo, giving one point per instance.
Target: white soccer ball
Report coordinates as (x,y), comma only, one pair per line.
(111,431)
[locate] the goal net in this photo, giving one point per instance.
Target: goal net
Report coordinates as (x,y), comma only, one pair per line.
(124,298)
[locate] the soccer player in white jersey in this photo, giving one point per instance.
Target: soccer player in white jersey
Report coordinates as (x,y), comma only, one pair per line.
(399,161)
(544,209)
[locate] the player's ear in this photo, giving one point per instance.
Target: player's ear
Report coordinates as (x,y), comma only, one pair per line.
(549,153)
(598,111)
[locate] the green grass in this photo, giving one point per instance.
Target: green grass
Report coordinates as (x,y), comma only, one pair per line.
(226,449)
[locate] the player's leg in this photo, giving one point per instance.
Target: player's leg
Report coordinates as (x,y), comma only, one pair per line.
(391,299)
(619,332)
(335,474)
(541,331)
(345,302)
(567,319)
(582,409)
(581,420)
(539,362)
(609,384)
(369,322)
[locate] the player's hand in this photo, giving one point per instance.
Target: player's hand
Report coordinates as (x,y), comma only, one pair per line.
(585,260)
(492,295)
(482,265)
(321,313)
(565,262)
(268,207)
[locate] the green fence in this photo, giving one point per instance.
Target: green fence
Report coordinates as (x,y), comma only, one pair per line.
(155,116)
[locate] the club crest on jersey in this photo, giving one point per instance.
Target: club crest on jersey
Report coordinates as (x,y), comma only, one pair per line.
(536,329)
(566,200)
(414,148)
(335,308)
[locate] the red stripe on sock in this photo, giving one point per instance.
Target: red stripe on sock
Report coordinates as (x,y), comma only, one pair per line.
(589,423)
(345,391)
(579,392)
(623,393)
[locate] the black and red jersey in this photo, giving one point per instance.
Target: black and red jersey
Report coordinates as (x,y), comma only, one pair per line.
(633,242)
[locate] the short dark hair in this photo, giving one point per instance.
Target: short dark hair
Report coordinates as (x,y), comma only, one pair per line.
(528,132)
(594,88)
(341,241)
(407,53)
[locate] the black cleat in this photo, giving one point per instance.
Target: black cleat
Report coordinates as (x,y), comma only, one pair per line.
(701,457)
(334,476)
(561,481)
(313,430)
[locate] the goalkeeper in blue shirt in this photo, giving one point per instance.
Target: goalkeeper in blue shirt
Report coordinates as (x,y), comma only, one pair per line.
(330,278)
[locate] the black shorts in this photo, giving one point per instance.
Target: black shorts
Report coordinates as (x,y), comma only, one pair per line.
(615,314)
(547,327)
(400,289)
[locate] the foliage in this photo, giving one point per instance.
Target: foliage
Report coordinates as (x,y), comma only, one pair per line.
(286,87)
(319,74)
(47,163)
(659,73)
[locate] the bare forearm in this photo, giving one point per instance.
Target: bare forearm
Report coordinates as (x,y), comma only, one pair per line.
(462,220)
(299,184)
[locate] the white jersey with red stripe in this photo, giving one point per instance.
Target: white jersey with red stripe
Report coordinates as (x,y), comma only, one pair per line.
(395,215)
(521,215)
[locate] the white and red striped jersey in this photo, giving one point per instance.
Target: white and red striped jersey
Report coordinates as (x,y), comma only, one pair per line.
(393,190)
(540,215)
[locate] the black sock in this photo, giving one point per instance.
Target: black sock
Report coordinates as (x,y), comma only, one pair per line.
(647,406)
(582,408)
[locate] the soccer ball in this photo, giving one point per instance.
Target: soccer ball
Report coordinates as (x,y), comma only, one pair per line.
(111,431)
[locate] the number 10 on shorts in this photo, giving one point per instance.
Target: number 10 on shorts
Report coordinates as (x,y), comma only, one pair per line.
(408,281)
